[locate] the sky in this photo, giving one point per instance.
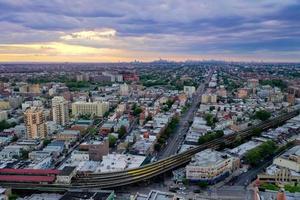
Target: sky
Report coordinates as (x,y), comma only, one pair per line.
(145,30)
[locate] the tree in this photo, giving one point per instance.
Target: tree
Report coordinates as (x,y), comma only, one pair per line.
(275,83)
(157,147)
(13,196)
(84,116)
(161,140)
(134,106)
(165,108)
(5,125)
(209,136)
(136,110)
(46,142)
(186,181)
(262,115)
(210,119)
(184,109)
(122,131)
(202,184)
(169,103)
(73,85)
(92,130)
(106,114)
(211,108)
(237,140)
(221,146)
(112,140)
(15,138)
(167,132)
(292,188)
(24,154)
(149,118)
(256,131)
(219,133)
(255,156)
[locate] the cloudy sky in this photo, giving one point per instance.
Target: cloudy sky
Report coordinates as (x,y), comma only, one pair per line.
(126,30)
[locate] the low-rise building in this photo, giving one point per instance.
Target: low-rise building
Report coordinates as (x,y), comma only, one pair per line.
(53,127)
(222,92)
(285,168)
(157,195)
(66,175)
(44,163)
(12,151)
(42,196)
(80,156)
(4,105)
(242,93)
(107,127)
(38,155)
(3,115)
(30,143)
(182,99)
(210,166)
(4,193)
(242,149)
(15,101)
(144,146)
(290,159)
(28,104)
(90,195)
(189,90)
(68,135)
(118,162)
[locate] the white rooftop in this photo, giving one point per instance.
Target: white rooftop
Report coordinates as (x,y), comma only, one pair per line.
(116,162)
(208,157)
(243,148)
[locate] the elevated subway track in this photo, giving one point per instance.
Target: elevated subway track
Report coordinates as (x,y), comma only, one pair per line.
(121,178)
(108,180)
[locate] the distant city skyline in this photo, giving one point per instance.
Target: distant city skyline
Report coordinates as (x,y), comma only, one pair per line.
(124,31)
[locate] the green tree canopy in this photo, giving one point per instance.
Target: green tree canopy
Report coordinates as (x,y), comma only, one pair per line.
(157,147)
(209,136)
(122,131)
(5,125)
(262,115)
(112,140)
(255,156)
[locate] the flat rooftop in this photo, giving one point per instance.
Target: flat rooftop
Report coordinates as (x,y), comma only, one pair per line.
(243,148)
(208,157)
(295,151)
(101,195)
(116,162)
(157,195)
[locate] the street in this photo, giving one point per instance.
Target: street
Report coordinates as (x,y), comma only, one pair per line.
(178,136)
